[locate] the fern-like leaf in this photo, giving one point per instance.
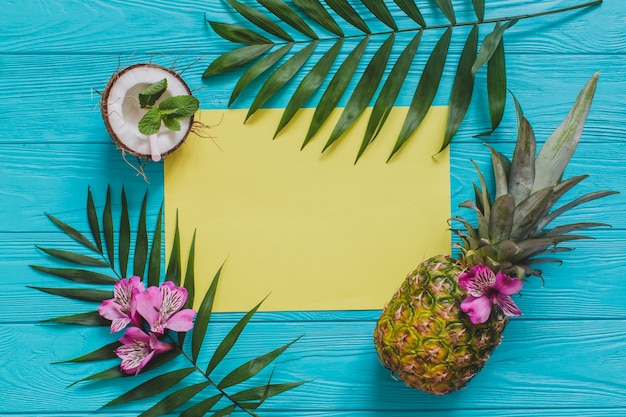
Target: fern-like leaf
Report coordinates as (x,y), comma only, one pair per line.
(91,292)
(491,54)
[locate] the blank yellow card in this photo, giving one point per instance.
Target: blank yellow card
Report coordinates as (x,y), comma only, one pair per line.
(314,231)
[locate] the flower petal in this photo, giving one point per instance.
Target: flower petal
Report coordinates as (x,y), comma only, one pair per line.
(148,304)
(477,308)
(465,279)
(507,305)
(507,285)
(181,321)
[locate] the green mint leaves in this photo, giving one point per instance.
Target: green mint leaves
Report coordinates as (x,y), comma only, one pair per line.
(169,111)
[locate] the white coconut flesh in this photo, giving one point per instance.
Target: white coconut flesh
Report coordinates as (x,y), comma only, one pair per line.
(121,110)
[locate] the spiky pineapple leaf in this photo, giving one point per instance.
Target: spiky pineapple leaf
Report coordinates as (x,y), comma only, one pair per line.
(559,148)
(522,173)
(578,201)
(501,220)
(491,53)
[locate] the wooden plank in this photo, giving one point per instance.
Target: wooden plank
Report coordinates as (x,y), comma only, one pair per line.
(583,287)
(161,27)
(541,359)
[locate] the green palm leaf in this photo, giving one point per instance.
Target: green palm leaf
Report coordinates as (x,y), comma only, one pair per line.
(389,93)
(107,227)
(338,84)
(462,88)
(260,20)
(287,15)
(152,387)
(174,400)
(184,391)
(347,12)
(364,91)
(238,34)
(491,54)
(317,12)
(280,77)
(124,237)
(447,9)
(425,92)
(309,85)
(378,9)
(203,407)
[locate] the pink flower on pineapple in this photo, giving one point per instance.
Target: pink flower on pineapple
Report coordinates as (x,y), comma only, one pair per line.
(161,308)
(120,310)
(486,289)
(138,348)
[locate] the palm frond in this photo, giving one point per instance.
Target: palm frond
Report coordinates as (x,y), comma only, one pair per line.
(92,272)
(332,16)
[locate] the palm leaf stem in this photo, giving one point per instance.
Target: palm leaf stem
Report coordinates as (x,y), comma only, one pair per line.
(467,23)
(179,348)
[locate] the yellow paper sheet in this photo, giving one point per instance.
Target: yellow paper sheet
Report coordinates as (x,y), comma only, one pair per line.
(314,231)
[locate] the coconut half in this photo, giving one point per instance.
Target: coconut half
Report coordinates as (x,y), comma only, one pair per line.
(121,111)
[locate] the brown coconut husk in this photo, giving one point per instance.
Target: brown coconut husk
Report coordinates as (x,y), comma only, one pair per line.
(110,109)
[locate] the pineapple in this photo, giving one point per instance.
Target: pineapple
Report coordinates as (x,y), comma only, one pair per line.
(443,323)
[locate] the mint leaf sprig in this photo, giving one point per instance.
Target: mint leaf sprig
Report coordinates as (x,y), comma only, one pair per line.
(169,111)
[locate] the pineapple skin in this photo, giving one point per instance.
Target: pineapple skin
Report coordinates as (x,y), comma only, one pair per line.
(423,336)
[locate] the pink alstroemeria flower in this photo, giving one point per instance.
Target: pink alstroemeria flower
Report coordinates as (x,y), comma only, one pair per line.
(138,348)
(485,289)
(161,308)
(121,308)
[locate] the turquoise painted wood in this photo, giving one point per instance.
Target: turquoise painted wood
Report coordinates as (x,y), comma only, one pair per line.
(564,357)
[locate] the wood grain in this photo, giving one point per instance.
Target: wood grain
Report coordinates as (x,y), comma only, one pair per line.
(564,357)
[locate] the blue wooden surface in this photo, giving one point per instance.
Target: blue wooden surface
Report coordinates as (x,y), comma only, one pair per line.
(564,357)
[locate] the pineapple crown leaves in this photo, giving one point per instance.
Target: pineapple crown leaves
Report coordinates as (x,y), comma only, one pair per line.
(87,281)
(382,80)
(511,228)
